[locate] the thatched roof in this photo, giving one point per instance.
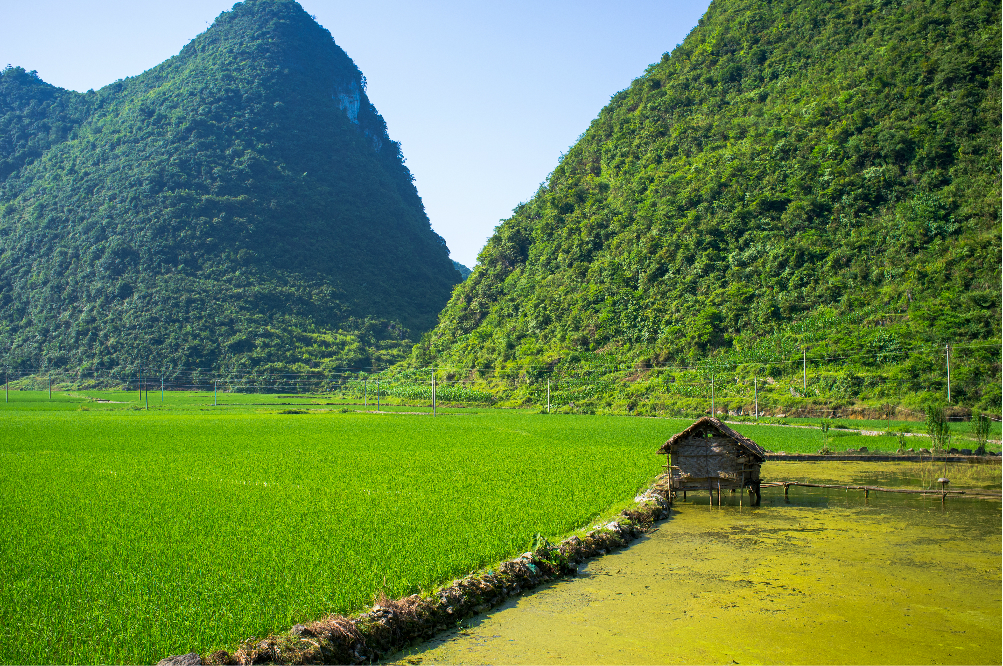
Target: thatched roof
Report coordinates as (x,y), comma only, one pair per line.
(743,441)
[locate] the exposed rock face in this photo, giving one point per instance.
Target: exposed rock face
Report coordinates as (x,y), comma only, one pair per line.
(348,100)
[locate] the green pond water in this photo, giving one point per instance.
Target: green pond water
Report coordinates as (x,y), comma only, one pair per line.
(822,577)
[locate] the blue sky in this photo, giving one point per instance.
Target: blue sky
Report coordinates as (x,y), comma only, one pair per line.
(483,96)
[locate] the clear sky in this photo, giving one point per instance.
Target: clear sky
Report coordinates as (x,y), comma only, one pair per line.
(483,96)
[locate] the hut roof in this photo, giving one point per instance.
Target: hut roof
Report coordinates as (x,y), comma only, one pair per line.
(743,441)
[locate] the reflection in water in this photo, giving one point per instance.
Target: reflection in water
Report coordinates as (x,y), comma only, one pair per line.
(825,576)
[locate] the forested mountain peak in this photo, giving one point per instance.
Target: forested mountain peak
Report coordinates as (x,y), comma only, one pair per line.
(239,205)
(797,179)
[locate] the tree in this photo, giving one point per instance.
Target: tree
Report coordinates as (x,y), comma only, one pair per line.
(980,428)
(938,428)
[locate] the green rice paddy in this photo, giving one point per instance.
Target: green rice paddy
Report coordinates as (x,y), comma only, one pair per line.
(807,438)
(129,534)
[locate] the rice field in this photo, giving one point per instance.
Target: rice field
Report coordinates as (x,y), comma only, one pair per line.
(128,535)
(809,439)
(959,428)
(131,533)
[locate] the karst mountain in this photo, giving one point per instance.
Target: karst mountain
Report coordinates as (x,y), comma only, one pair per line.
(800,183)
(240,205)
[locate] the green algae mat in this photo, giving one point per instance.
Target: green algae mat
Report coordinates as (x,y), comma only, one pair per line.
(821,577)
(128,535)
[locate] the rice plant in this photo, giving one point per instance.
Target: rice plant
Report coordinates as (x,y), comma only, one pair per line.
(131,535)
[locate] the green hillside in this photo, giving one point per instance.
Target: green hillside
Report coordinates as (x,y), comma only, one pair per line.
(463,270)
(240,205)
(811,183)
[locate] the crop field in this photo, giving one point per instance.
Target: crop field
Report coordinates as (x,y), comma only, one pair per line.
(130,534)
(809,439)
(959,428)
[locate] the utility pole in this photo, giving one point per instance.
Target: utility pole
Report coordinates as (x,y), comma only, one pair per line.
(161,389)
(948,348)
(548,395)
(713,413)
(804,378)
(215,386)
(365,392)
(756,388)
(433,391)
(377,393)
(50,384)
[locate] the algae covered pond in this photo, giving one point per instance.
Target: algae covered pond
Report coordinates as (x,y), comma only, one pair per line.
(825,576)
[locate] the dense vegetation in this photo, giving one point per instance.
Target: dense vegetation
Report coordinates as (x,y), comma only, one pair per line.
(129,536)
(464,271)
(811,181)
(238,206)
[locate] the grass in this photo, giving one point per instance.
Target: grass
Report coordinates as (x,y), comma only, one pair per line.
(128,535)
(959,428)
(809,440)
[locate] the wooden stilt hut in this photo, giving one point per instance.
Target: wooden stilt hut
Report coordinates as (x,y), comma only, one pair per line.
(711,456)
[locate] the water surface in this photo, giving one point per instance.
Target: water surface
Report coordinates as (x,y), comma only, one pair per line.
(822,577)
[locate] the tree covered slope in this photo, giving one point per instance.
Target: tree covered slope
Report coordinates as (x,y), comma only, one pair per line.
(238,206)
(810,177)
